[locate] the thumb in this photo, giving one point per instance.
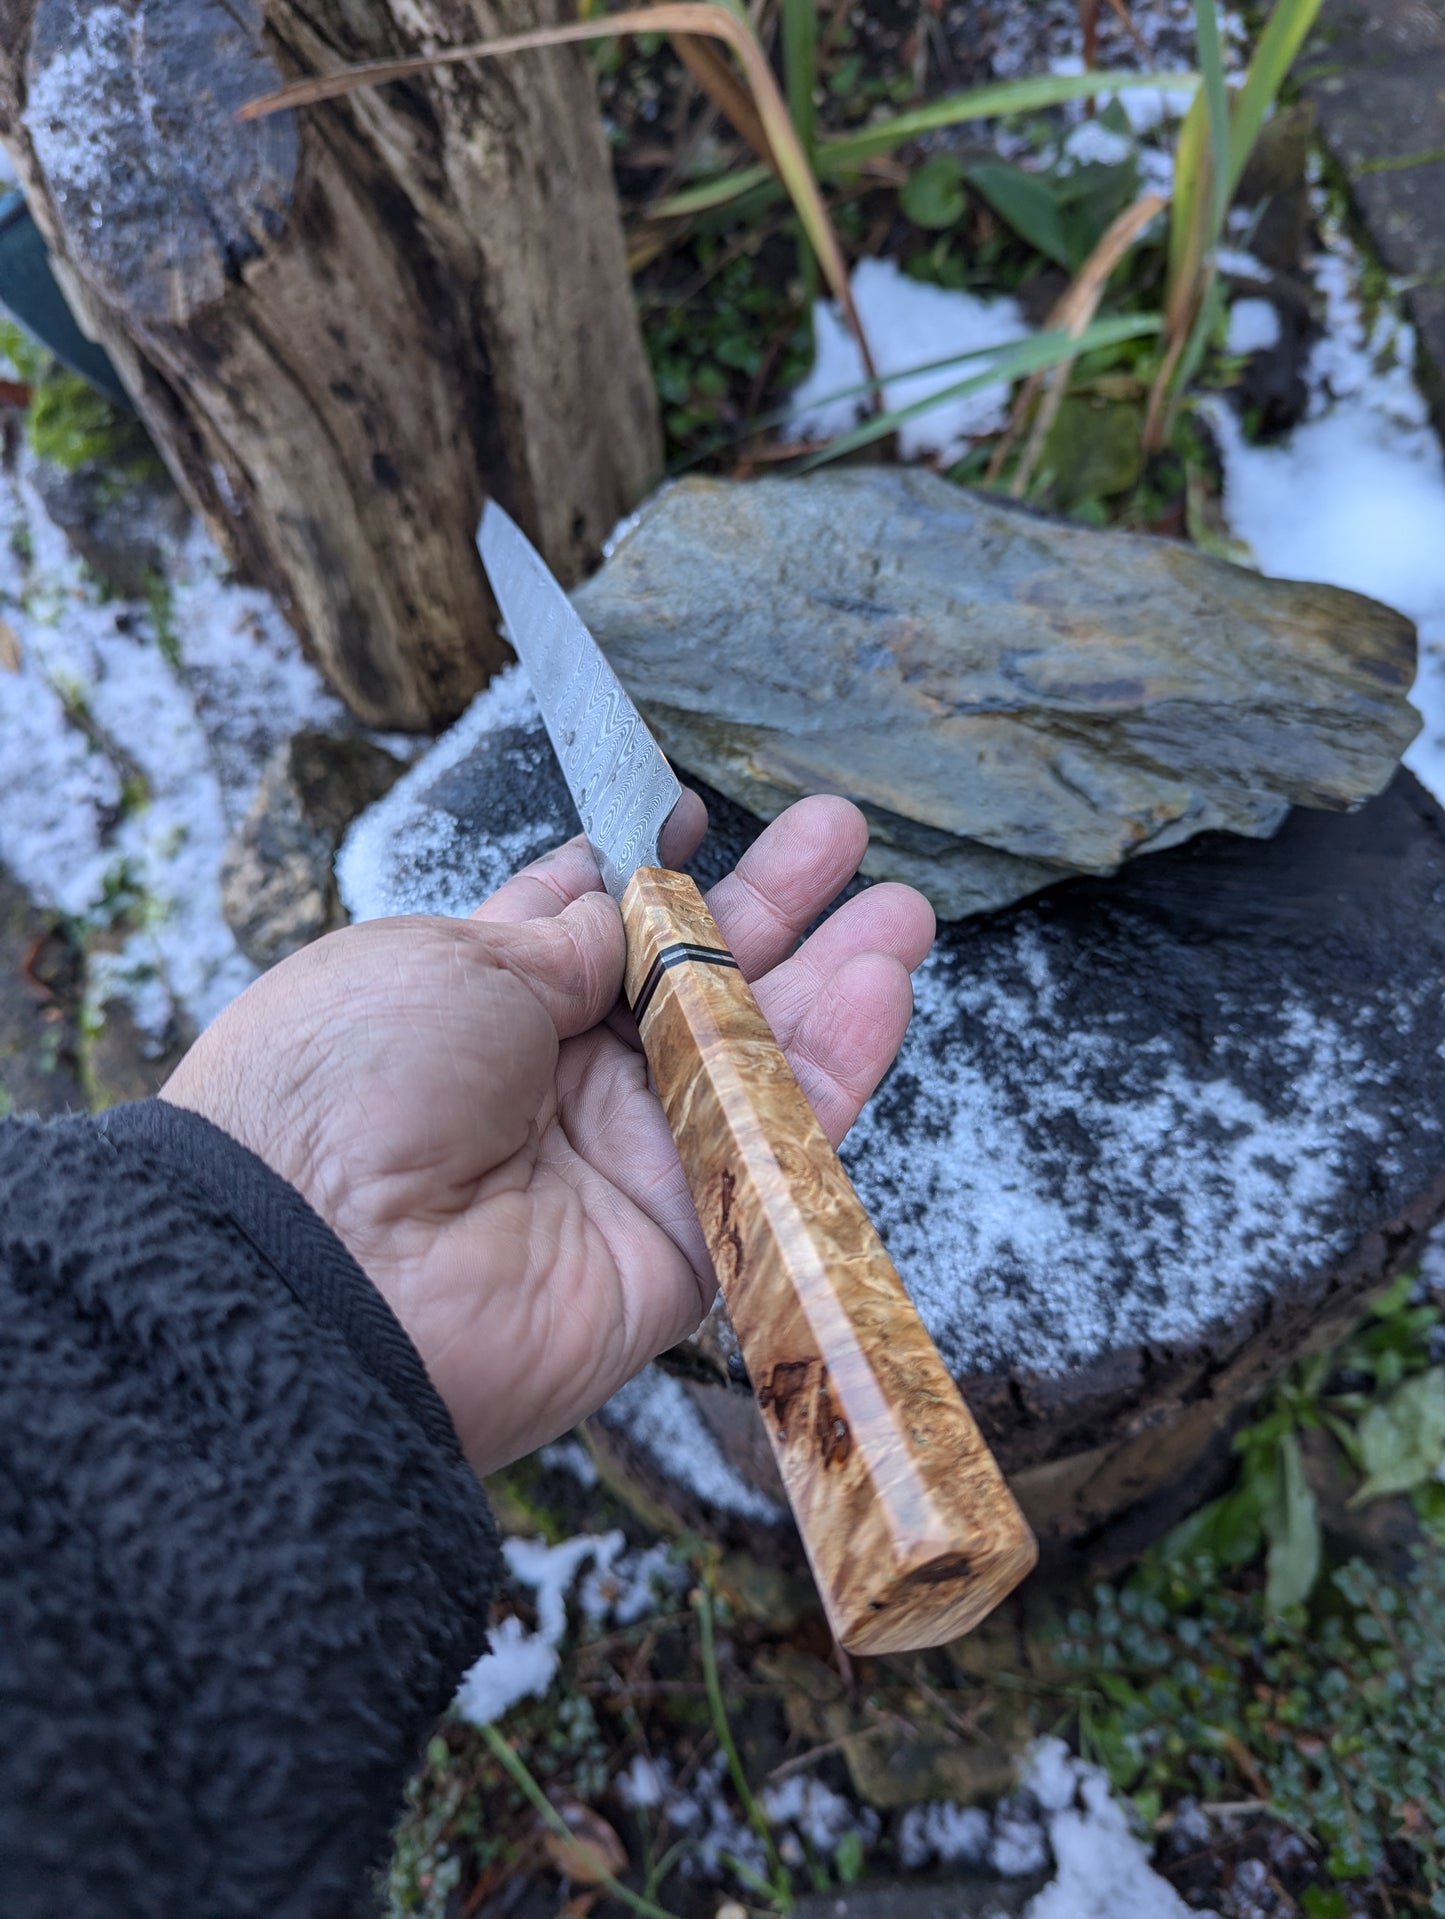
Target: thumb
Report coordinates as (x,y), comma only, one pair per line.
(571,962)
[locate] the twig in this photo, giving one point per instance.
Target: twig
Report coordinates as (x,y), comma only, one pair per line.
(935,1698)
(702,1599)
(1071,314)
(541,1804)
(801,1761)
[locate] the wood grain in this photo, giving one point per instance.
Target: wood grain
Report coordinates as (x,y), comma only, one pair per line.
(346,329)
(912,1534)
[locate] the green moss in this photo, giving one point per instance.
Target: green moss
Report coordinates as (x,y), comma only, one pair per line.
(160,602)
(72,425)
(29,359)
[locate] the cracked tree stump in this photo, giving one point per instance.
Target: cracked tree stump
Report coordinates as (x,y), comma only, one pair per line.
(345,328)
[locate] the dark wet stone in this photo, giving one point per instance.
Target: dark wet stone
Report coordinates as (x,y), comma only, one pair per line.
(973,1896)
(124,525)
(1375,74)
(278,891)
(1011,699)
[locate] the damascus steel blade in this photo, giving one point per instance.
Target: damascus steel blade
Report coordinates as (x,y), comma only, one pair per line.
(623,787)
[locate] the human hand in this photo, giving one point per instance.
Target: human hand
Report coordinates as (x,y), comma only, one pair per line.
(465,1106)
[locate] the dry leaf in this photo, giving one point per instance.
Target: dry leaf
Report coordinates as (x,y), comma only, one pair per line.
(9,647)
(591,1852)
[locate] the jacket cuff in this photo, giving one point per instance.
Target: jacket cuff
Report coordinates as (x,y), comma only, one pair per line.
(298,1245)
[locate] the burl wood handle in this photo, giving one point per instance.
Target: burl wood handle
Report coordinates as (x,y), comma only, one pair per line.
(910,1529)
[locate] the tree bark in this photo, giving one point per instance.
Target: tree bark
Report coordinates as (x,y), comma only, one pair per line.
(345,328)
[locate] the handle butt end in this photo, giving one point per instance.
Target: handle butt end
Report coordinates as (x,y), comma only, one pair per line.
(938,1597)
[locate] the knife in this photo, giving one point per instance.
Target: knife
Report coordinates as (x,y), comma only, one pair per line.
(910,1530)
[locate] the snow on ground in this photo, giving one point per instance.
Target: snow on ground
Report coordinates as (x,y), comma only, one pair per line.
(523,1664)
(123,772)
(1253,326)
(1101,1869)
(908,324)
(1063,1816)
(621,1586)
(1355,496)
(656,1412)
(405,856)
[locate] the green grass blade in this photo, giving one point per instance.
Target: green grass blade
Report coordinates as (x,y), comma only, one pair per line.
(1211,306)
(1028,95)
(780,415)
(708,194)
(1283,35)
(1216,106)
(1033,355)
(1187,210)
(800,66)
(550,1816)
(800,78)
(845,152)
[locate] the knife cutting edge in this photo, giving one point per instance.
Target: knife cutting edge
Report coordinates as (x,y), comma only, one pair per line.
(912,1534)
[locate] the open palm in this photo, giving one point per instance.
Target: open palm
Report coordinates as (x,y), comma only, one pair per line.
(463,1103)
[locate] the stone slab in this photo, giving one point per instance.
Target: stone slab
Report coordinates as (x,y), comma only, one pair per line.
(1010,698)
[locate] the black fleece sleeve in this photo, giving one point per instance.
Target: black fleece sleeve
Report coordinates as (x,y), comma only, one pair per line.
(242,1561)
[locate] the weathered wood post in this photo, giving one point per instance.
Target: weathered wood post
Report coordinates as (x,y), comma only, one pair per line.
(347,327)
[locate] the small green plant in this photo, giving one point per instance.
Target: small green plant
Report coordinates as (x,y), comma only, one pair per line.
(1383,1403)
(1213,148)
(1316,1690)
(29,359)
(161,606)
(1332,1713)
(777,1888)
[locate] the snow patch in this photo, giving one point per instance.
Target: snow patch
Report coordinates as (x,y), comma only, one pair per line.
(1001,1270)
(816,1814)
(123,770)
(657,1414)
(908,324)
(1253,327)
(75,115)
(644,1782)
(405,855)
(1091,143)
(621,1589)
(943,1832)
(1355,496)
(523,1664)
(570,1456)
(1102,1869)
(1064,1811)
